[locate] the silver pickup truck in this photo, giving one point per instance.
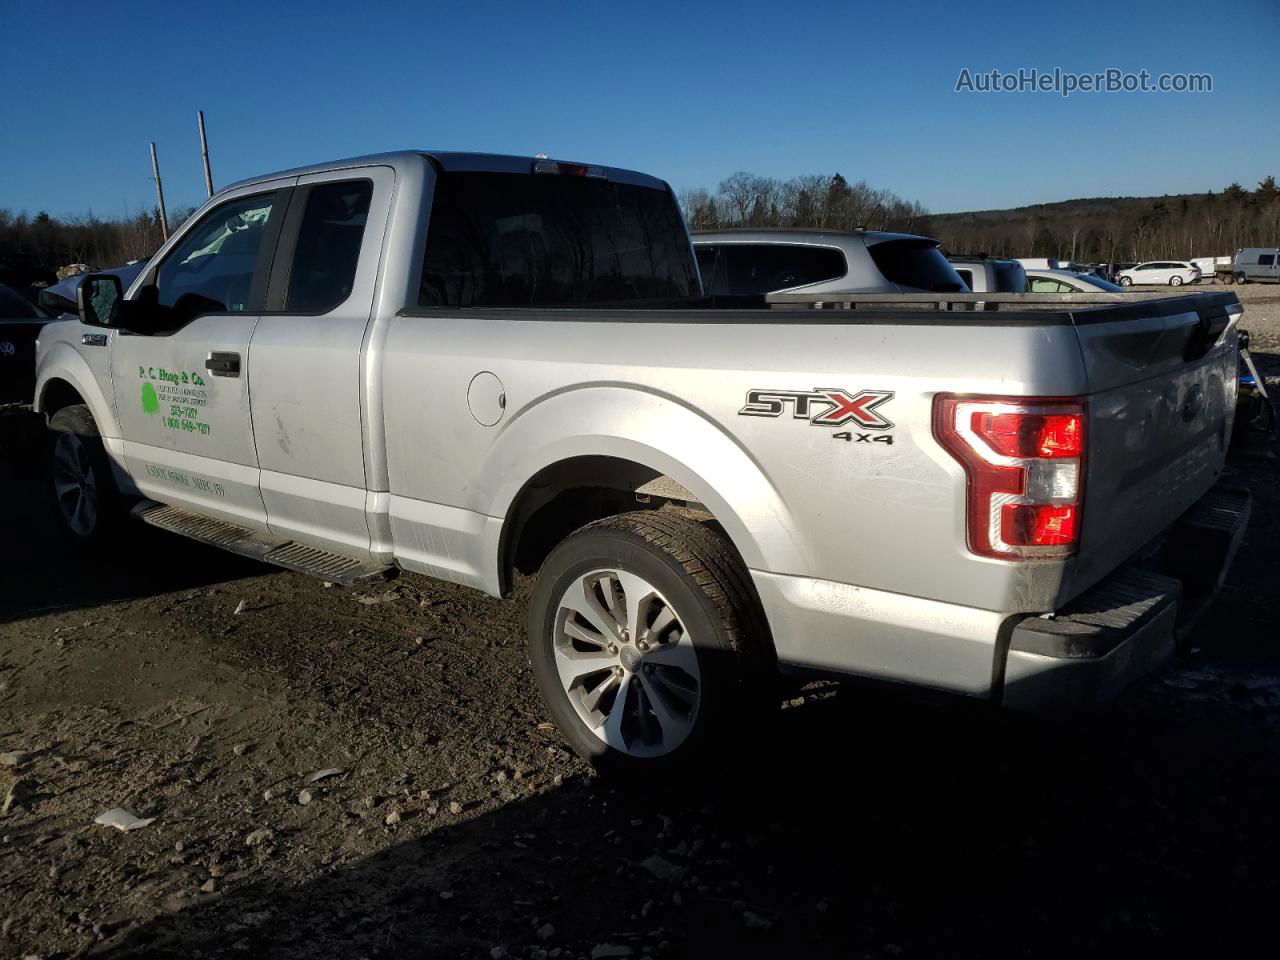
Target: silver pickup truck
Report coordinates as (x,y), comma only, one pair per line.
(467,366)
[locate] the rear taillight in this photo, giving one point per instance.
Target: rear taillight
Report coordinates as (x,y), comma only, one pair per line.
(1024,459)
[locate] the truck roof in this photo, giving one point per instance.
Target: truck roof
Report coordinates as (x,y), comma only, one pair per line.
(449,161)
(798,235)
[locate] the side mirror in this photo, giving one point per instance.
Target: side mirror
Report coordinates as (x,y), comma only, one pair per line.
(98,298)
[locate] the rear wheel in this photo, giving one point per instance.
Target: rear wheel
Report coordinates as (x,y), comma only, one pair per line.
(1175,281)
(648,645)
(85,500)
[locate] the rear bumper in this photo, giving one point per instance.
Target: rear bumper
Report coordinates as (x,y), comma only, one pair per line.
(1130,623)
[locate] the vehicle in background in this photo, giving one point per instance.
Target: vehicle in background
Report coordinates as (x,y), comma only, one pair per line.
(1206,265)
(1172,273)
(748,262)
(1256,263)
(983,274)
(1068,281)
(20,324)
(1039,263)
(469,366)
(60,297)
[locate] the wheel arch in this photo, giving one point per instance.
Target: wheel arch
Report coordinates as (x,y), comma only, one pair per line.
(641,450)
(63,379)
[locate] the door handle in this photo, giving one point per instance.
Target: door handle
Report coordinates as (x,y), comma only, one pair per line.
(223,364)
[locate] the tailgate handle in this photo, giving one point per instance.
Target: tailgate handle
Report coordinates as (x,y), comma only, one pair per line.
(1205,335)
(223,364)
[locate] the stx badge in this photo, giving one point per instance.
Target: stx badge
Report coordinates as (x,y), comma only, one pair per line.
(822,406)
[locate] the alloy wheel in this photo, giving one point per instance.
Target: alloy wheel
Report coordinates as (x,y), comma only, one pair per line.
(74,485)
(627,663)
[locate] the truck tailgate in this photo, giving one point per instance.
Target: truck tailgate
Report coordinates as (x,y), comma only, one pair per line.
(1162,388)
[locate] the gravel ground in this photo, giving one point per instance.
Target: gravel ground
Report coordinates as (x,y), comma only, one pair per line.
(205,691)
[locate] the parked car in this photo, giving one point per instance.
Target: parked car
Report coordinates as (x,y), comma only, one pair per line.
(1068,281)
(983,274)
(1039,263)
(468,365)
(1171,272)
(20,324)
(743,262)
(60,297)
(1256,263)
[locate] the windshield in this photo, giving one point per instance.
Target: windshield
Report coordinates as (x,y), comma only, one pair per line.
(917,263)
(506,239)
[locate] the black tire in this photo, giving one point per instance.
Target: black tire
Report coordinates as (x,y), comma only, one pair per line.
(1241,278)
(700,575)
(87,514)
(1175,281)
(1126,281)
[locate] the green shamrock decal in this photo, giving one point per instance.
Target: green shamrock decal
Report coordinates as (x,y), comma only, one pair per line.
(150,402)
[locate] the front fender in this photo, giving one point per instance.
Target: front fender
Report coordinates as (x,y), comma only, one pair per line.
(60,361)
(658,432)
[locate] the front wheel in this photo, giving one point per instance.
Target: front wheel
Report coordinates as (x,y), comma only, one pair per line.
(1126,281)
(1175,281)
(1241,278)
(84,494)
(648,645)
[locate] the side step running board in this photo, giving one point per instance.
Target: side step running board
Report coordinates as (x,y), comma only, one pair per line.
(260,546)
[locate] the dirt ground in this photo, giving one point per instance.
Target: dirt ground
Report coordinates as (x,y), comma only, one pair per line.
(207,692)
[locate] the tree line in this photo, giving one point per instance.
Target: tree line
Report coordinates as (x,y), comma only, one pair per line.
(33,248)
(1103,230)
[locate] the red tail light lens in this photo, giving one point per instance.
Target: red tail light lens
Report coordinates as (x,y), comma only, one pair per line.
(1031,525)
(1024,460)
(1032,435)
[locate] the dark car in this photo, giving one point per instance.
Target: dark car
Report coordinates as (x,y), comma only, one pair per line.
(20,324)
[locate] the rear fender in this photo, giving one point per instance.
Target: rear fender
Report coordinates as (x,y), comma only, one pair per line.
(657,432)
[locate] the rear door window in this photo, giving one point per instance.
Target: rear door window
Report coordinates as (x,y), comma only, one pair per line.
(916,263)
(324,261)
(1266,259)
(755,268)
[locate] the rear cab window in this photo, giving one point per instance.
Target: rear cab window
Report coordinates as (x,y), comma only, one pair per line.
(511,240)
(916,263)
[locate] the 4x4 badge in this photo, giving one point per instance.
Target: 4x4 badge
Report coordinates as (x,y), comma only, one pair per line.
(822,406)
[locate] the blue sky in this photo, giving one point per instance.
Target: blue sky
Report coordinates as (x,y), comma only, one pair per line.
(690,92)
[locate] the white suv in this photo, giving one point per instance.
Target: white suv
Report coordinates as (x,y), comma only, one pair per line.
(1172,272)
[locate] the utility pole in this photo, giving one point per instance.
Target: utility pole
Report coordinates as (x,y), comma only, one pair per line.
(204,154)
(155,173)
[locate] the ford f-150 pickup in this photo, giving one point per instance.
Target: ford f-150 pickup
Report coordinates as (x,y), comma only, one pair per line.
(468,365)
